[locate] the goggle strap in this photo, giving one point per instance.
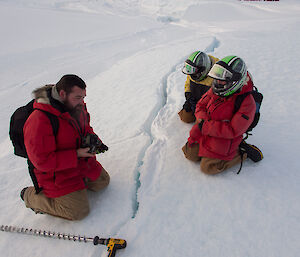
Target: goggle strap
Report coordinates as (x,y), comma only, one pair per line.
(225,65)
(235,75)
(191,63)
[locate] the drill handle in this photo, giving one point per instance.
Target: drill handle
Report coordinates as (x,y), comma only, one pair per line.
(113,244)
(112,251)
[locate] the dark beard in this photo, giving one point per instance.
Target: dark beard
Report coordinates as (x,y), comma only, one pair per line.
(76,111)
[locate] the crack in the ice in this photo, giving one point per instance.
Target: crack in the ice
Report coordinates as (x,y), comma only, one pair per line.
(148,123)
(212,46)
(147,130)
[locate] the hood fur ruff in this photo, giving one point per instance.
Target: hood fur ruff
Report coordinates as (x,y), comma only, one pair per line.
(40,94)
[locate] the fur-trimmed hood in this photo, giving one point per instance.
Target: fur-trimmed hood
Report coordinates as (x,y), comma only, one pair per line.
(41,94)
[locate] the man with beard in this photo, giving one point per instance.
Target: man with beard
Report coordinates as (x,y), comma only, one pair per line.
(63,166)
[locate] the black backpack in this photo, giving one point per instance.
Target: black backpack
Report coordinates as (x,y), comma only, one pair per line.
(16,134)
(258,97)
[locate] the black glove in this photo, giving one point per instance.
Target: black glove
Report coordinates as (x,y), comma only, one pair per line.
(193,103)
(187,105)
(188,95)
(190,103)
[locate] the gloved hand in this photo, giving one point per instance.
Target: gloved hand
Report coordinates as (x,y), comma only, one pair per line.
(193,103)
(187,106)
(190,103)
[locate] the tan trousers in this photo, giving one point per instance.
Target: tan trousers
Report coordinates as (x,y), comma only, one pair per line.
(73,206)
(209,165)
(187,117)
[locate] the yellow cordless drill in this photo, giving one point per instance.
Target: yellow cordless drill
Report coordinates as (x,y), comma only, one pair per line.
(113,244)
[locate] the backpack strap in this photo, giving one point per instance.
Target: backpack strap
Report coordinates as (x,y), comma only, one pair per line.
(239,100)
(33,177)
(241,155)
(53,120)
(55,125)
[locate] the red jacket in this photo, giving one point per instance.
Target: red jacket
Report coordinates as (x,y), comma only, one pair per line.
(222,130)
(57,168)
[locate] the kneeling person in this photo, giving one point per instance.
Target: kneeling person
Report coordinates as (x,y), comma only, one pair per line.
(63,166)
(196,67)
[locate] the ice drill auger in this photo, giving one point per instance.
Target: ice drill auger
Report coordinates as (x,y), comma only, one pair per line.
(113,244)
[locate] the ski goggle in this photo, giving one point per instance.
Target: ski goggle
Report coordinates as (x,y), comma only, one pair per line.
(220,73)
(190,69)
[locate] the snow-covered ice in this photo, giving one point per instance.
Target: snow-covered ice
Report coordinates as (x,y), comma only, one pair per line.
(130,53)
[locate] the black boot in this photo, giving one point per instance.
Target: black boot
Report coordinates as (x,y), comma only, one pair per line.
(252,151)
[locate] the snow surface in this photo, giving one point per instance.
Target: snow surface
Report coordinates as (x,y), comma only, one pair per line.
(130,53)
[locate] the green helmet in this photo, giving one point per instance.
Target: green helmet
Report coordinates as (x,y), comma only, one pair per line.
(197,65)
(231,69)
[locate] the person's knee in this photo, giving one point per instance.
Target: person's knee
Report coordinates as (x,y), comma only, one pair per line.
(78,214)
(187,117)
(191,152)
(74,206)
(105,178)
(100,183)
(210,168)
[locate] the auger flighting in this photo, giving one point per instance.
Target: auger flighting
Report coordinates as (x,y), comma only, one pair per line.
(113,244)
